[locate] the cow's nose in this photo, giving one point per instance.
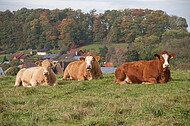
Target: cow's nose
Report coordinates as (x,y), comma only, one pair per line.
(88,67)
(166,65)
(46,73)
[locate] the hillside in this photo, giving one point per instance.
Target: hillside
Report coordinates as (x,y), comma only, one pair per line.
(96,46)
(97,102)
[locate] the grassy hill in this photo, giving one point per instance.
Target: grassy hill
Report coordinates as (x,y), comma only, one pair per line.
(97,102)
(96,46)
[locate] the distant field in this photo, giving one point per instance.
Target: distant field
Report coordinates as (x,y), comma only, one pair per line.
(97,46)
(97,102)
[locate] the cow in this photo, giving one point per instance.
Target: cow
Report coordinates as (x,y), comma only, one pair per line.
(146,72)
(43,75)
(87,68)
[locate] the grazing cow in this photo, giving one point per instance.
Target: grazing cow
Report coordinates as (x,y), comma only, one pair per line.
(37,75)
(146,72)
(87,68)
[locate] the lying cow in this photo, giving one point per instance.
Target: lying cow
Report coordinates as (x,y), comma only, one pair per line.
(37,75)
(146,72)
(87,68)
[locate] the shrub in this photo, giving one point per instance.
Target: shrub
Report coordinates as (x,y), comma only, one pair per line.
(5,66)
(13,71)
(15,62)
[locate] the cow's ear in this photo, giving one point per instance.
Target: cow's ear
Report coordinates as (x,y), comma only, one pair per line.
(97,58)
(53,64)
(157,56)
(82,59)
(38,63)
(172,55)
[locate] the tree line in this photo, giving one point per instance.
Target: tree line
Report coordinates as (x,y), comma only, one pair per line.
(52,29)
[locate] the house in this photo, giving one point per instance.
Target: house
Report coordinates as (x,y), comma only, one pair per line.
(7,62)
(27,65)
(108,64)
(2,72)
(76,52)
(66,57)
(19,56)
(50,56)
(42,52)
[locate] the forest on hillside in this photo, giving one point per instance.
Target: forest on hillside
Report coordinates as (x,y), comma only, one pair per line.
(146,31)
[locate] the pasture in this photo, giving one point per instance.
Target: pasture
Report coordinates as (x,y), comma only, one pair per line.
(96,102)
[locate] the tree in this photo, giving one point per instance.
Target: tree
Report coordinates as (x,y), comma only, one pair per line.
(4,59)
(99,28)
(15,62)
(155,23)
(103,52)
(12,71)
(116,56)
(132,55)
(68,32)
(177,23)
(147,47)
(5,66)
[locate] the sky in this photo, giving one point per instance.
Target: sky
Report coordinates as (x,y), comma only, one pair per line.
(180,8)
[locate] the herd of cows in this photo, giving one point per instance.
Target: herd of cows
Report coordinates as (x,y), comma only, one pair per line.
(88,68)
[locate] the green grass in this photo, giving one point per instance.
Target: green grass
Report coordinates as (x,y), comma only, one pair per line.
(97,102)
(2,56)
(96,46)
(55,51)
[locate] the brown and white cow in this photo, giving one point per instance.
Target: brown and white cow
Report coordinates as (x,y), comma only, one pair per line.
(87,68)
(37,75)
(146,72)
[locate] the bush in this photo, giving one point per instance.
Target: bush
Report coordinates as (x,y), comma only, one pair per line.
(15,62)
(13,71)
(5,66)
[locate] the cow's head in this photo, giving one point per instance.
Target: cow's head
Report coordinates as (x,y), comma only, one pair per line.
(165,57)
(89,59)
(46,65)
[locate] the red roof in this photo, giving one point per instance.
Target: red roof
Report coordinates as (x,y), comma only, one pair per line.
(18,56)
(23,56)
(73,51)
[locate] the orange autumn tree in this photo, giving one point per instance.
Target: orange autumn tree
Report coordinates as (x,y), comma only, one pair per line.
(68,32)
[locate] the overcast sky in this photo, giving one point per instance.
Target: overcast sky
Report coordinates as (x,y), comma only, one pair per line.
(179,8)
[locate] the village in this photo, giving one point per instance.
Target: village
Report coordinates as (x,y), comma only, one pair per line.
(28,60)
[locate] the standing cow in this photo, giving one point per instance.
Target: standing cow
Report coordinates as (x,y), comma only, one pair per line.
(87,68)
(146,72)
(37,75)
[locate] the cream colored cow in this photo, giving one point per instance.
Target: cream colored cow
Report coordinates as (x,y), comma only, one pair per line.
(87,68)
(37,75)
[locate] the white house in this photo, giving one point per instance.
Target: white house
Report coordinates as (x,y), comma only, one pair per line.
(1,72)
(42,52)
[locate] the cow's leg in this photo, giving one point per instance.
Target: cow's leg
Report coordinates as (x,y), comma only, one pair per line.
(55,83)
(65,75)
(33,83)
(26,84)
(171,79)
(150,81)
(121,77)
(81,78)
(18,81)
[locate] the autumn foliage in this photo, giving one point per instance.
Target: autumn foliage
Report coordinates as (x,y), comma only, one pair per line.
(52,29)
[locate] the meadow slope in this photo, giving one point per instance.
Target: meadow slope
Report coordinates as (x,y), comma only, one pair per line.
(96,102)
